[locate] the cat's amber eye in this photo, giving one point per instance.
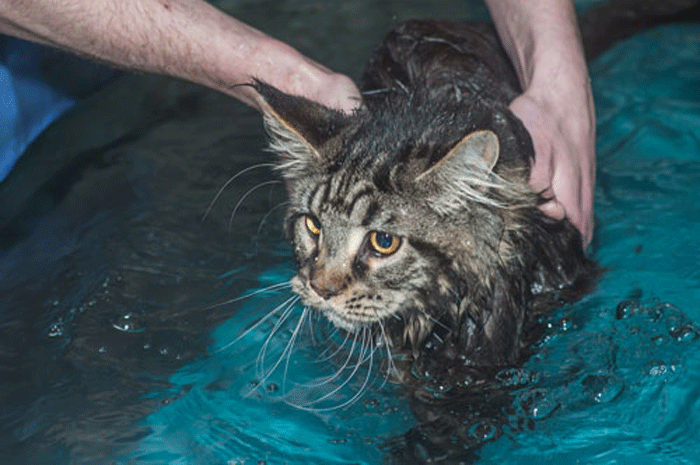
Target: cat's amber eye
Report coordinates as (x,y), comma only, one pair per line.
(384,243)
(313,225)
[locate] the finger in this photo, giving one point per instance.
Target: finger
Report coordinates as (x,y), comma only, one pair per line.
(553,209)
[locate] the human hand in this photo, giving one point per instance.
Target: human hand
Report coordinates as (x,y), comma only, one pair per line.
(564,140)
(333,90)
(284,68)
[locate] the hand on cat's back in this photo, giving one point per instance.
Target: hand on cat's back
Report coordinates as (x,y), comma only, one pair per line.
(564,140)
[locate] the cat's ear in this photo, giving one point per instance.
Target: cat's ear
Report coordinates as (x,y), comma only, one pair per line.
(464,174)
(298,128)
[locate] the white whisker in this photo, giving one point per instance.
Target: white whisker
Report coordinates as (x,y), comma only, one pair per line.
(245,196)
(290,302)
(370,358)
(435,320)
(290,346)
(264,218)
(260,360)
(323,358)
(391,369)
(221,190)
(327,379)
(286,350)
(271,288)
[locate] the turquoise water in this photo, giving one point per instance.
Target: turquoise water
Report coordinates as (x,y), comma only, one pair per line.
(119,338)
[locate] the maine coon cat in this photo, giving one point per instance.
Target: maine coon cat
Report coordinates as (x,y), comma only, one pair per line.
(413,215)
(412,219)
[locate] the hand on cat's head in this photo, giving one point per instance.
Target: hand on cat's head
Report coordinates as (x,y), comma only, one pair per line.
(330,89)
(339,93)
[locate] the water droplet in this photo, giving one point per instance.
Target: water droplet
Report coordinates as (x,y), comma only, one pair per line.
(658,368)
(536,288)
(127,323)
(56,329)
(372,404)
(538,403)
(513,377)
(684,333)
(626,308)
(602,388)
(483,431)
(566,324)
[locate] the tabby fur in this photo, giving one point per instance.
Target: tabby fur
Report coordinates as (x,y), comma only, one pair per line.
(435,160)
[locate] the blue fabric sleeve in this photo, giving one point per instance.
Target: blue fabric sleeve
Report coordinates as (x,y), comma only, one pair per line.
(38,84)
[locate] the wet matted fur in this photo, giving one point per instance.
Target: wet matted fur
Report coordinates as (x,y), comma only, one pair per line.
(412,218)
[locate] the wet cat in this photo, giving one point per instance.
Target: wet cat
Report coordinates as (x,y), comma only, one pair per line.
(412,219)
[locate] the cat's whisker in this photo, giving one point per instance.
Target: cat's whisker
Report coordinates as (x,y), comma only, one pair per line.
(376,91)
(269,212)
(312,333)
(271,288)
(245,196)
(402,86)
(327,379)
(221,190)
(323,357)
(391,368)
(363,348)
(363,388)
(435,320)
(260,360)
(265,374)
(291,301)
(290,347)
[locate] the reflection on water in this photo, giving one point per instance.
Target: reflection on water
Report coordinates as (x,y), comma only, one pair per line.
(114,346)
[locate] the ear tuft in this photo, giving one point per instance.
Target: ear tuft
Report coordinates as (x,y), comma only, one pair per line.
(465,174)
(298,128)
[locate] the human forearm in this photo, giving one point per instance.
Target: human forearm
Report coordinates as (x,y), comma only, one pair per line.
(187,39)
(540,36)
(542,40)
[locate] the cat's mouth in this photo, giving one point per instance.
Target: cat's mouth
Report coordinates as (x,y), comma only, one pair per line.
(344,311)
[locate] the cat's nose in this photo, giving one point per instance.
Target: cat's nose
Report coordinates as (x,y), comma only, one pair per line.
(327,288)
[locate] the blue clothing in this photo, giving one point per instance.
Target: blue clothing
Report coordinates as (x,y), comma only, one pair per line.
(38,84)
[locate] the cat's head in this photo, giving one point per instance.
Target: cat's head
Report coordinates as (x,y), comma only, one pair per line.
(394,213)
